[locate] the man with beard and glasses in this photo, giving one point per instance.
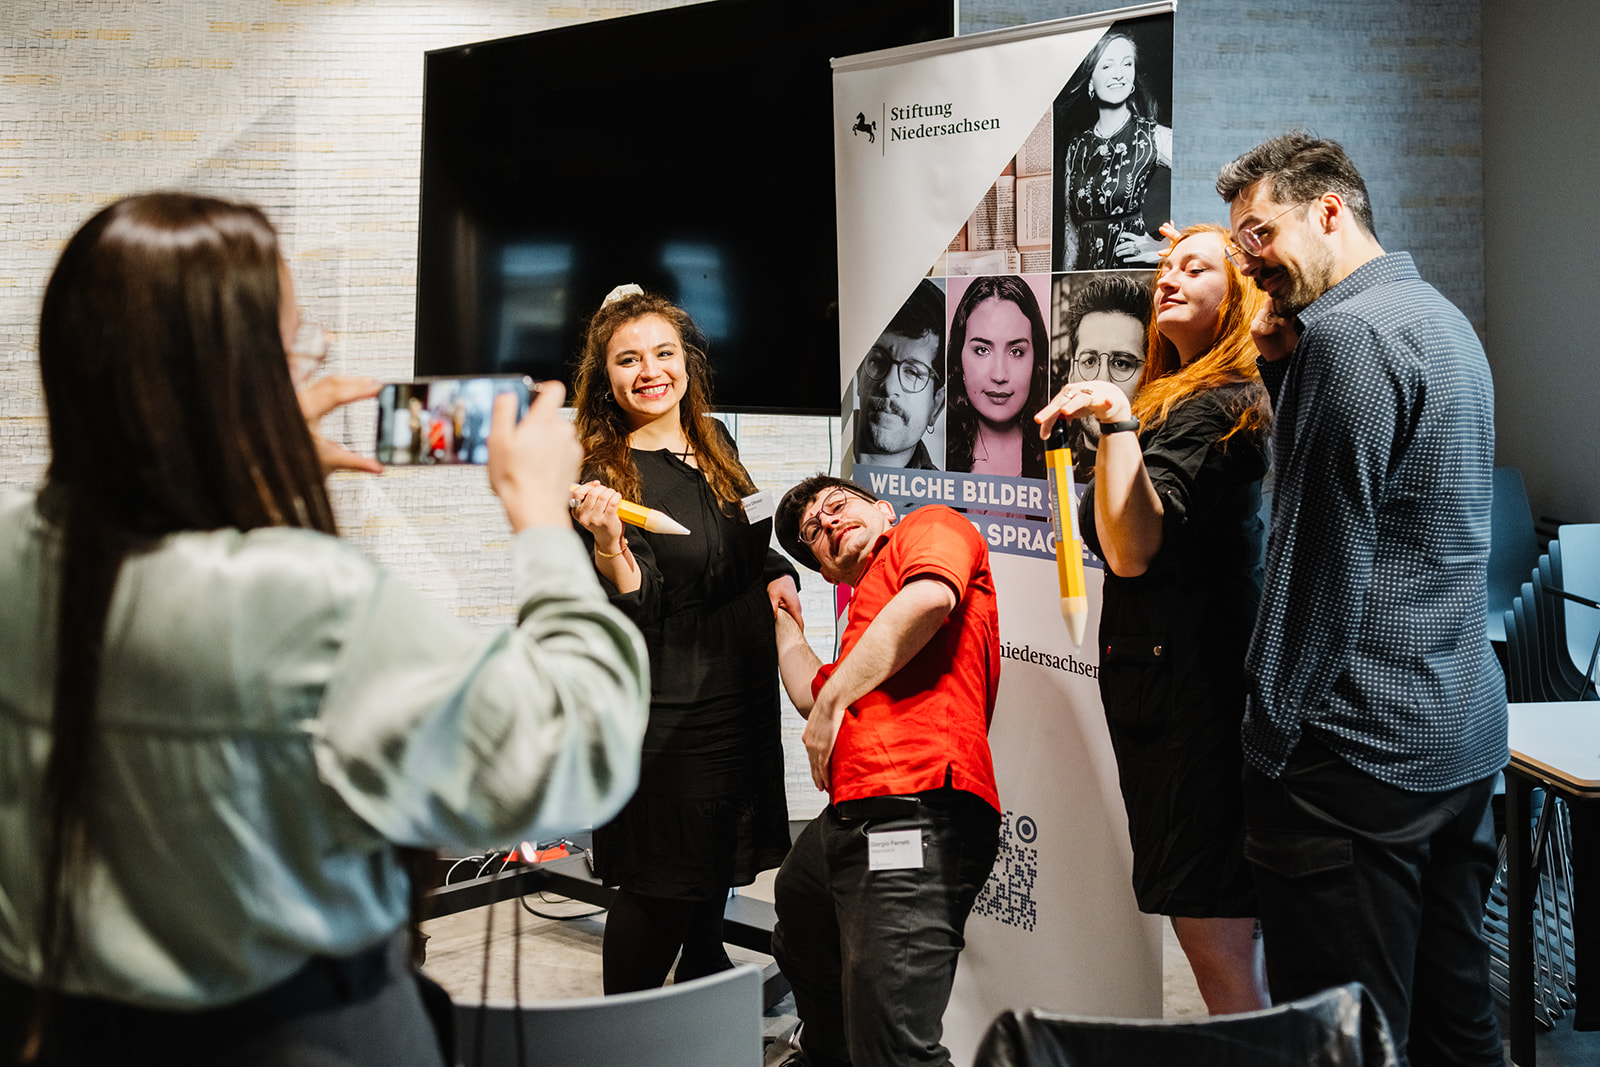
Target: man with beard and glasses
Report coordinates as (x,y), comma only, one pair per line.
(900,384)
(1376,716)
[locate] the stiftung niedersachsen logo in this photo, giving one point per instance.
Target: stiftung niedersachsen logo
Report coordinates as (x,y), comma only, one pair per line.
(915,122)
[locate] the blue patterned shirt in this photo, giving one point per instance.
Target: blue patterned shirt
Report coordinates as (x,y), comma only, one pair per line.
(1371,628)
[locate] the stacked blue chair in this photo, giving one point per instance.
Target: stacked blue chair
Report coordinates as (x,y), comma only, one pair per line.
(1512,545)
(1552,633)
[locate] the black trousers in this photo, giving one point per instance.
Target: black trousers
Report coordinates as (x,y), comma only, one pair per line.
(1360,880)
(872,954)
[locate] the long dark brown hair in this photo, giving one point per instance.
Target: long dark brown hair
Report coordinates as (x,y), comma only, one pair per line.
(963,421)
(603,428)
(170,408)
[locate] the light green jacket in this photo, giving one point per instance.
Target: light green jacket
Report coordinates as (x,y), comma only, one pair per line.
(275,710)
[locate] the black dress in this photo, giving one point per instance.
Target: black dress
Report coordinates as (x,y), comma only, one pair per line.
(1172,647)
(1107,181)
(710,811)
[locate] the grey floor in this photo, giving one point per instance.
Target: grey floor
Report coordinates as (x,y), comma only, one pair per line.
(560,953)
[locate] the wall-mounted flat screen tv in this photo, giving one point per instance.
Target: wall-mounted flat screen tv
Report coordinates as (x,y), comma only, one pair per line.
(689,150)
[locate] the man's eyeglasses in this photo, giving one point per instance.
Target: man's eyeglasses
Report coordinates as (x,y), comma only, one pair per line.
(1253,239)
(831,505)
(914,374)
(1117,366)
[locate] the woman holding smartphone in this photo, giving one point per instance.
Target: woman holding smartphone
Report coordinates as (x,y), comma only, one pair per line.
(217,720)
(711,810)
(1173,510)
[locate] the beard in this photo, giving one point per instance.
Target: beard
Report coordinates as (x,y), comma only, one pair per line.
(1308,281)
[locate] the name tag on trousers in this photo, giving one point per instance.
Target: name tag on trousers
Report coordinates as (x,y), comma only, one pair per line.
(894,850)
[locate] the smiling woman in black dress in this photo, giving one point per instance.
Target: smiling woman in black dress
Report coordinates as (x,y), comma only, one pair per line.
(710,811)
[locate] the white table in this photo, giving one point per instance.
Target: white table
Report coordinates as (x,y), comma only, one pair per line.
(1555,746)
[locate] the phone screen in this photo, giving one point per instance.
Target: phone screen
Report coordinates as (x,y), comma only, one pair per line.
(442,420)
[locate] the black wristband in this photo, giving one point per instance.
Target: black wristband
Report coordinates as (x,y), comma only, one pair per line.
(1119,427)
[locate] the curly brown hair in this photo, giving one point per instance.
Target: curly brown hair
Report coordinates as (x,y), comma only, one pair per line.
(603,428)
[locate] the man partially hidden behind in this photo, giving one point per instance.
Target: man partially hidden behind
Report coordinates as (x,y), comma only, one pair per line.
(900,384)
(1106,323)
(873,899)
(1376,718)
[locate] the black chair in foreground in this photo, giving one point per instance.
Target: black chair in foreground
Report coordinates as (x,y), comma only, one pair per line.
(1339,1027)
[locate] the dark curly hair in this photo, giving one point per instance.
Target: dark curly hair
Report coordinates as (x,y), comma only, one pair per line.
(787,523)
(603,429)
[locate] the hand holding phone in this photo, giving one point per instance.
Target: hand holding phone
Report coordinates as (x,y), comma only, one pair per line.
(323,396)
(533,463)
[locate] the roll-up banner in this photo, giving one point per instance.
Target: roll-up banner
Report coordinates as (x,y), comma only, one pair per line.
(999,201)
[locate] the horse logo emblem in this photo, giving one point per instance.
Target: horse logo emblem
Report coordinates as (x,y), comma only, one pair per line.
(863,126)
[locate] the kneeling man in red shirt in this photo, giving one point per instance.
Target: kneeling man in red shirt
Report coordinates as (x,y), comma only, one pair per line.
(873,899)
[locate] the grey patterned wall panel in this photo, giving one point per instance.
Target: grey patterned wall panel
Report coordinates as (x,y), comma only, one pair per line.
(1397,82)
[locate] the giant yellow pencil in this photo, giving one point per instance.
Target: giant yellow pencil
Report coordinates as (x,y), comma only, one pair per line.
(646,518)
(1069,542)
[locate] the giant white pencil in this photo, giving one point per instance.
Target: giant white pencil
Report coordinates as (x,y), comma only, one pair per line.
(1069,542)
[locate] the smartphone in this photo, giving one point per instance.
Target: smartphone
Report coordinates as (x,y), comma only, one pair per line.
(442,420)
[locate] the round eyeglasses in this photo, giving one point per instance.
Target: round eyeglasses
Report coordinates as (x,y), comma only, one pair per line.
(1251,240)
(831,505)
(914,374)
(1116,366)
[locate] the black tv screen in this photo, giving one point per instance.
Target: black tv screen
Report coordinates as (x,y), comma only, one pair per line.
(688,150)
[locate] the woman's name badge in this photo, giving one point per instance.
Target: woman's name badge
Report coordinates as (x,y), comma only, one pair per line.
(894,850)
(758,506)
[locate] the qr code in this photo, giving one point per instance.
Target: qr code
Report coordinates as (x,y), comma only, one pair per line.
(1008,895)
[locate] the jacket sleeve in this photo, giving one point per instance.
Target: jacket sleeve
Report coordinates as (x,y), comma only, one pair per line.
(437,733)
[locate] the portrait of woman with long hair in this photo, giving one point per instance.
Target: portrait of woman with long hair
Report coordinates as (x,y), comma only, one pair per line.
(1114,153)
(999,369)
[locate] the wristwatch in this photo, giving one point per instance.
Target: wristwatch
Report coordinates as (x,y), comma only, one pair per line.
(1119,427)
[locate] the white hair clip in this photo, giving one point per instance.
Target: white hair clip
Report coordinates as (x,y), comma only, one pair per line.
(621,291)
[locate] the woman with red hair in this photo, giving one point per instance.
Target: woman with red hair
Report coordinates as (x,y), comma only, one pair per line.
(1173,509)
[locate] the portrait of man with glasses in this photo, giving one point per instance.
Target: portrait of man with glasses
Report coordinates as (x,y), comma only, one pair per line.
(900,386)
(1103,323)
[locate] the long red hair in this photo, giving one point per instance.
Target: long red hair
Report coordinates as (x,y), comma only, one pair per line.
(1230,359)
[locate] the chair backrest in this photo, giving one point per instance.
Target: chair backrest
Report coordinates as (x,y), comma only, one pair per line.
(1518,690)
(1512,545)
(1339,1027)
(1526,610)
(1580,574)
(709,1022)
(1562,680)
